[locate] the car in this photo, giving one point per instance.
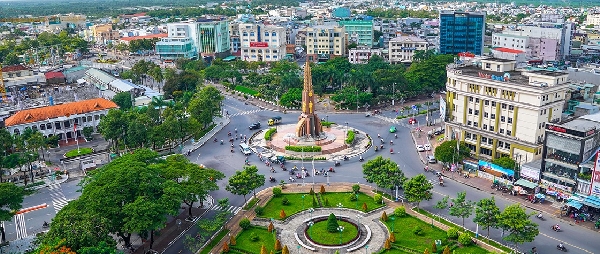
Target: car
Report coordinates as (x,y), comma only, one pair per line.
(431,159)
(393,129)
(427,147)
(412,120)
(420,148)
(254,126)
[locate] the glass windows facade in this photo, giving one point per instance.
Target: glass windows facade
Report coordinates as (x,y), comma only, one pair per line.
(461,32)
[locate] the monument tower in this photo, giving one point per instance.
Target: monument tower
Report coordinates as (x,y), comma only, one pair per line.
(309,124)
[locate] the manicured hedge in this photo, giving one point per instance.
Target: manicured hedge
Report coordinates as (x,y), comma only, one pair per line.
(350,137)
(269,133)
(245,90)
(326,124)
(307,149)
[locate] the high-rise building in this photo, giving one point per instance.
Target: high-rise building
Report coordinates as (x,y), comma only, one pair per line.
(325,42)
(359,32)
(262,42)
(540,40)
(213,38)
(190,39)
(461,32)
(498,111)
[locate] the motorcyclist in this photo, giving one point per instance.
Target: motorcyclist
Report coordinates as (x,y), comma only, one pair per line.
(395,135)
(391,142)
(561,246)
(45,225)
(361,158)
(378,136)
(221,141)
(540,216)
(235,130)
(556,227)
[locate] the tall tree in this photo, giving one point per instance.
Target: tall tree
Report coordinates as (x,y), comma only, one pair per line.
(256,180)
(11,198)
(113,127)
(462,207)
(123,100)
(515,220)
(383,172)
(205,105)
(239,184)
(486,214)
(417,189)
(447,152)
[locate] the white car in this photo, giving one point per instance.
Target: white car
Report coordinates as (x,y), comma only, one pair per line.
(420,148)
(427,147)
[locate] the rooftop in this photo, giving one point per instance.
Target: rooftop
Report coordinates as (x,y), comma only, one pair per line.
(152,36)
(72,108)
(517,77)
(18,67)
(408,38)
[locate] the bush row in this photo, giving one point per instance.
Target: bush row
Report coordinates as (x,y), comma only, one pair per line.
(350,137)
(269,133)
(307,149)
(245,90)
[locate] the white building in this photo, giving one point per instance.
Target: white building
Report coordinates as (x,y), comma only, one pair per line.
(402,48)
(262,42)
(546,39)
(593,19)
(362,55)
(498,111)
(61,120)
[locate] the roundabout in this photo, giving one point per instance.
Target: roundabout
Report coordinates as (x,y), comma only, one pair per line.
(318,234)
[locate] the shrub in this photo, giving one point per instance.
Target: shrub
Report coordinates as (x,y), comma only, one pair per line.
(306,149)
(312,192)
(353,197)
(322,191)
(464,239)
(384,216)
(356,188)
(277,246)
(332,223)
(285,201)
(225,247)
(232,241)
(452,233)
(263,250)
(433,247)
(254,237)
(326,202)
(400,211)
(364,207)
(270,228)
(426,251)
(417,230)
(269,133)
(314,203)
(276,192)
(244,223)
(326,124)
(350,137)
(282,214)
(392,238)
(446,250)
(387,244)
(377,198)
(259,210)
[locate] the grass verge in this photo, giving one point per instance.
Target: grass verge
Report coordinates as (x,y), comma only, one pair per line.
(251,204)
(318,232)
(335,198)
(246,90)
(82,151)
(251,240)
(296,204)
(214,241)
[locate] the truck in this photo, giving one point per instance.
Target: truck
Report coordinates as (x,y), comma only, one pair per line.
(274,120)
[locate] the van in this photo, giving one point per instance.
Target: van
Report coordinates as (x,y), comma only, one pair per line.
(245,149)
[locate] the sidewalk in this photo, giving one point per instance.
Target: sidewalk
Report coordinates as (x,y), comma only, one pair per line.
(549,207)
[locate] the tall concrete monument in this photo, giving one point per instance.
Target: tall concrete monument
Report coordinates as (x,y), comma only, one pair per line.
(309,124)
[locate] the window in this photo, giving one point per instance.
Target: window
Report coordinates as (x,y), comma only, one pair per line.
(475,124)
(507,145)
(42,127)
(476,100)
(493,116)
(502,119)
(486,115)
(501,131)
(485,126)
(476,112)
(468,135)
(470,111)
(510,120)
(491,128)
(486,102)
(541,112)
(251,33)
(490,141)
(273,34)
(470,99)
(500,144)
(96,117)
(509,133)
(511,107)
(484,140)
(503,106)
(474,136)
(469,123)
(493,103)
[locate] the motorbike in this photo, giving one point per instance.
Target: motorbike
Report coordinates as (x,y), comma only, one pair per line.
(541,217)
(229,134)
(232,150)
(272,179)
(331,170)
(221,141)
(555,228)
(376,148)
(346,158)
(561,248)
(45,225)
(361,159)
(337,163)
(215,140)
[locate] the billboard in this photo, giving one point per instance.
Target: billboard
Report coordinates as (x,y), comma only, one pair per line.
(259,44)
(442,108)
(595,188)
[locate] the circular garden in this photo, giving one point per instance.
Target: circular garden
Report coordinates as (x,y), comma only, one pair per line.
(331,231)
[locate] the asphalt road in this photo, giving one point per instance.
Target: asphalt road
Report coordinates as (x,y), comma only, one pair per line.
(577,239)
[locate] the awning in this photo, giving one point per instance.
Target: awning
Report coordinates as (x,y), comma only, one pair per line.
(575,204)
(592,201)
(526,183)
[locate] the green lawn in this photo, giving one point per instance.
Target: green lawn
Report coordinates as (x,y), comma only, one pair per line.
(82,151)
(245,90)
(319,233)
(243,241)
(403,230)
(335,198)
(215,241)
(274,206)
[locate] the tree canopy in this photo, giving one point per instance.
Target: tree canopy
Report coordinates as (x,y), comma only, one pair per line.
(486,214)
(383,172)
(447,152)
(417,189)
(515,220)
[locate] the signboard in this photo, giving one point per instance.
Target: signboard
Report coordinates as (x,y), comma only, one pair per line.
(504,77)
(595,188)
(408,48)
(530,173)
(442,108)
(570,131)
(259,44)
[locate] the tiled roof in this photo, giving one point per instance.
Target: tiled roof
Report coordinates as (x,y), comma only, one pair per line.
(72,108)
(14,68)
(133,38)
(54,74)
(509,50)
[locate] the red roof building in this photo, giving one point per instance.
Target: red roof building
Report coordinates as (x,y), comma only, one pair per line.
(54,77)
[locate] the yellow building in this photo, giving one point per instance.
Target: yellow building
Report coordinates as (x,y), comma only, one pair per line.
(104,33)
(325,42)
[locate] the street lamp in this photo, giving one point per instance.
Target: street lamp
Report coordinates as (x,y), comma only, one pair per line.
(358,218)
(303,201)
(346,133)
(366,249)
(341,229)
(357,101)
(327,116)
(393,219)
(356,201)
(310,211)
(310,224)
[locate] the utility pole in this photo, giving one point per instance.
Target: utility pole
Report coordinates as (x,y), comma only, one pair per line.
(393,93)
(357,101)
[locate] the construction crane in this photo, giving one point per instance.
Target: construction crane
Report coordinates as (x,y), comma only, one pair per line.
(2,87)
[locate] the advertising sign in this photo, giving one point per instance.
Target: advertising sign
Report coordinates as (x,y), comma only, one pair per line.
(595,189)
(529,172)
(259,44)
(442,108)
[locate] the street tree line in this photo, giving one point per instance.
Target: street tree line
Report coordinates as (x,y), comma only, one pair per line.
(162,123)
(133,194)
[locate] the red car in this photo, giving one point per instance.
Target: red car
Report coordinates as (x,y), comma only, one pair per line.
(412,120)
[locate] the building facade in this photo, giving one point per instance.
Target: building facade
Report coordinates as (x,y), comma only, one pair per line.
(498,111)
(546,39)
(325,42)
(593,19)
(173,48)
(461,32)
(262,42)
(359,32)
(568,145)
(234,37)
(190,39)
(65,121)
(361,55)
(402,48)
(213,38)
(104,33)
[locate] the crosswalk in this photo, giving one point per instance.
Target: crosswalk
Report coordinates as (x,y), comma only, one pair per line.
(209,201)
(58,197)
(387,119)
(246,112)
(20,226)
(232,209)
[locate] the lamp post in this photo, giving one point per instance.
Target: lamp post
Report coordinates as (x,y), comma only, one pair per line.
(393,93)
(327,116)
(310,224)
(356,201)
(346,133)
(310,211)
(358,218)
(298,247)
(303,201)
(341,229)
(366,249)
(393,219)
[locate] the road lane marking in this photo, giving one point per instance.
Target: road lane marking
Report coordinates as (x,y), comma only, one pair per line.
(20,226)
(565,243)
